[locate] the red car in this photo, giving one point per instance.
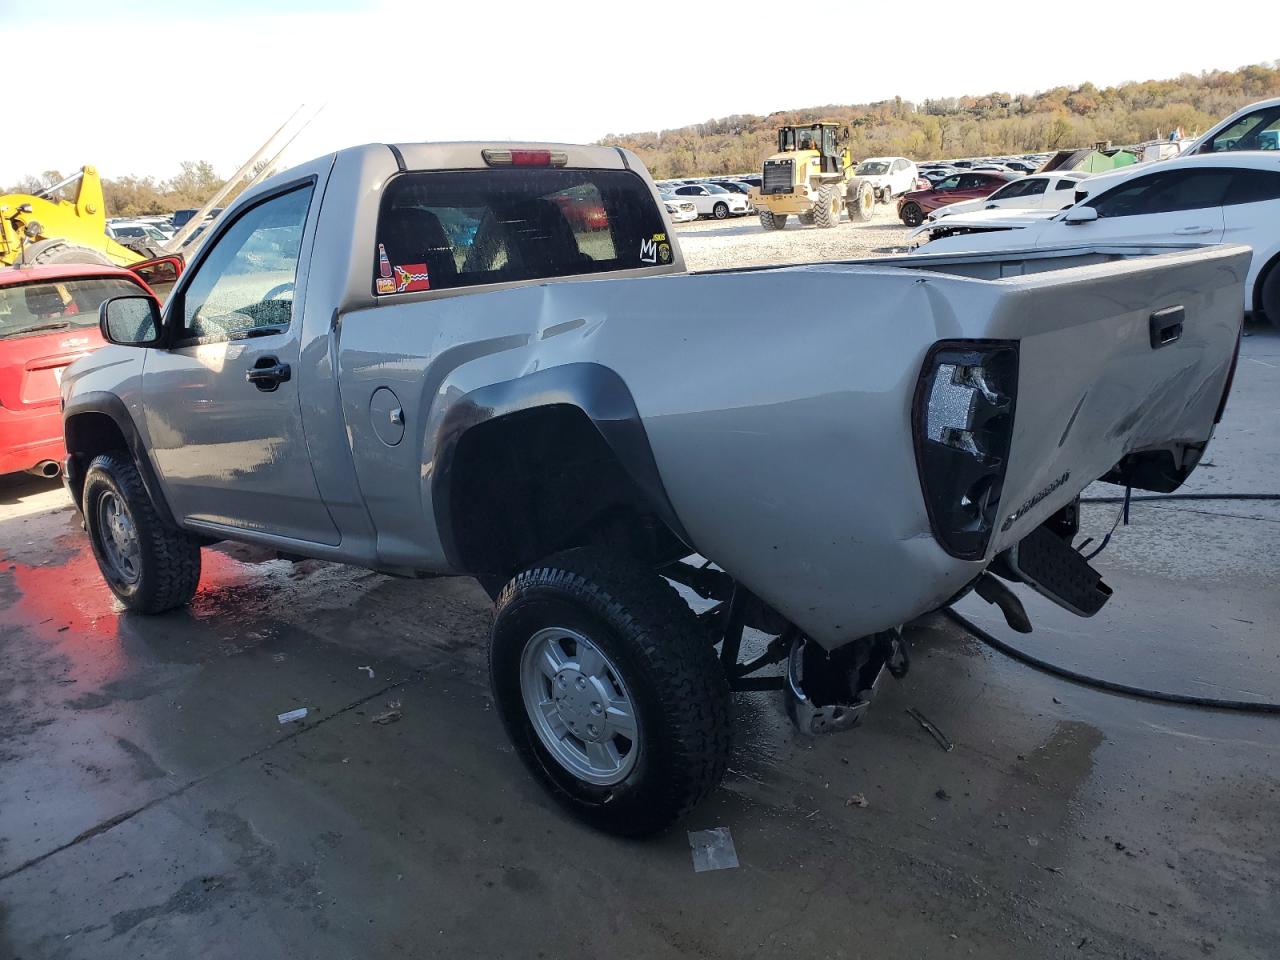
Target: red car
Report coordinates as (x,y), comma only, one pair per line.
(48,318)
(913,206)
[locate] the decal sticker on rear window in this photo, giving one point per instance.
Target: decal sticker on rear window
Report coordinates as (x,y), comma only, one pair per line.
(412,277)
(385,285)
(384,265)
(656,249)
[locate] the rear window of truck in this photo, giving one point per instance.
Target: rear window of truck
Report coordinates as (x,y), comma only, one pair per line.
(447,229)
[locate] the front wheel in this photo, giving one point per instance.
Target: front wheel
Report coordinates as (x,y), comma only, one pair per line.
(1270,296)
(609,691)
(150,566)
(720,210)
(827,212)
(911,214)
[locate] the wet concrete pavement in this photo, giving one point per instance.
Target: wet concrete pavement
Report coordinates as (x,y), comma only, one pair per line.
(152,806)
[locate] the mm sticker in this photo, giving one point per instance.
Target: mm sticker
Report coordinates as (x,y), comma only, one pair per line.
(656,249)
(386,285)
(411,277)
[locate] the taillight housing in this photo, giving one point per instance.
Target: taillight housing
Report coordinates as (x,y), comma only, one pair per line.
(962,422)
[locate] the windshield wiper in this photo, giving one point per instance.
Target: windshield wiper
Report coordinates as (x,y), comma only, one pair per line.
(59,325)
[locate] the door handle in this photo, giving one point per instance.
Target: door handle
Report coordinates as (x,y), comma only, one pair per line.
(1193,231)
(268,373)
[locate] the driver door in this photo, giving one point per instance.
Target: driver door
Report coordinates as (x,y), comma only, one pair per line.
(221,400)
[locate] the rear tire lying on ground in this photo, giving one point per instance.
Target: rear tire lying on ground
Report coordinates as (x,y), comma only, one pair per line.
(911,214)
(772,221)
(609,690)
(827,211)
(150,566)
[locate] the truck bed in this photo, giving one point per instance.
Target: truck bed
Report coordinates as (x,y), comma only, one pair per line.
(777,401)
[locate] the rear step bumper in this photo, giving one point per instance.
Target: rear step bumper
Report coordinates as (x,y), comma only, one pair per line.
(1049,565)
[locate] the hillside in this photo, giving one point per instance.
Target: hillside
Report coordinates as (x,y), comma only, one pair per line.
(994,123)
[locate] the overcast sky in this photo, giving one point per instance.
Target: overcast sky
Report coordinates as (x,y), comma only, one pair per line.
(136,87)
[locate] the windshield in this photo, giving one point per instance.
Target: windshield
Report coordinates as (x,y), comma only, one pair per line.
(1259,130)
(36,307)
(872,168)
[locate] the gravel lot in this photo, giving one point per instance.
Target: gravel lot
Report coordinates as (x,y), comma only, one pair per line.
(742,242)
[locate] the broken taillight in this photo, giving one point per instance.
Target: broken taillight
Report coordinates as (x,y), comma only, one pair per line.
(962,422)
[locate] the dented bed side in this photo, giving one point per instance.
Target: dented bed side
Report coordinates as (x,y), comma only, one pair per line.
(777,404)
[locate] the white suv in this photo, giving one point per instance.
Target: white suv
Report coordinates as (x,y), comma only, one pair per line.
(714,201)
(889,176)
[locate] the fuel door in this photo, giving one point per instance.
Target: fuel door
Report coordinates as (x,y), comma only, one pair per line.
(387,416)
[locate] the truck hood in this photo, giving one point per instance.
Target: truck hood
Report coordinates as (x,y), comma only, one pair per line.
(998,219)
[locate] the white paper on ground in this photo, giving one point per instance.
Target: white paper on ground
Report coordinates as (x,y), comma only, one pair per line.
(292,715)
(712,849)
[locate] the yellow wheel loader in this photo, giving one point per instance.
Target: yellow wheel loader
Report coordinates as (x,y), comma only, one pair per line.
(43,228)
(811,176)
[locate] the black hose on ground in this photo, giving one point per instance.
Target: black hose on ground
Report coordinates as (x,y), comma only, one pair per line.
(1243,706)
(1185,496)
(1110,686)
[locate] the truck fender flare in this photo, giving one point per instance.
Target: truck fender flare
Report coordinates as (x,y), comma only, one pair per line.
(594,389)
(109,405)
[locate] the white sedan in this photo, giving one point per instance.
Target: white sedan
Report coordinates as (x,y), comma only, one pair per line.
(714,201)
(889,176)
(679,209)
(1041,191)
(1229,197)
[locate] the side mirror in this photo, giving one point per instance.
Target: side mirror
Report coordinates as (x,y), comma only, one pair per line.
(1079,215)
(161,270)
(159,274)
(130,321)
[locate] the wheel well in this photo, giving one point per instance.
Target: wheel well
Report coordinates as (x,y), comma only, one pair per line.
(87,436)
(1263,275)
(532,483)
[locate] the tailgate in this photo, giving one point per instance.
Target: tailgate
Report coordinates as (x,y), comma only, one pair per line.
(1105,371)
(31,367)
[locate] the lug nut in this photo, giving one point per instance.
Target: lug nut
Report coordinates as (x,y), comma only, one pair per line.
(596,708)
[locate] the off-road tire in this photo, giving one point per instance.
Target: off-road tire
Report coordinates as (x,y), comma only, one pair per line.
(1269,295)
(60,251)
(720,211)
(170,559)
(772,221)
(674,679)
(806,218)
(827,213)
(860,201)
(911,214)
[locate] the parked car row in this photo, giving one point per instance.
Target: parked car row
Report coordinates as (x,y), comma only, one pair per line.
(1225,196)
(713,199)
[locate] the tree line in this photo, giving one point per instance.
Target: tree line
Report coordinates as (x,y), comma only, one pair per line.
(991,124)
(133,196)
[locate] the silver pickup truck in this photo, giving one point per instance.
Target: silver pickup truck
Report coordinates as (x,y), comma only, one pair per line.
(489,360)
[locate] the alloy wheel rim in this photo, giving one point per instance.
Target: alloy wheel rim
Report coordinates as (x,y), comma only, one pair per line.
(119,538)
(579,706)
